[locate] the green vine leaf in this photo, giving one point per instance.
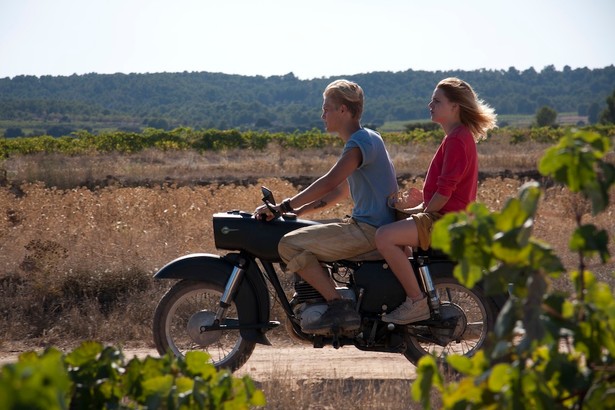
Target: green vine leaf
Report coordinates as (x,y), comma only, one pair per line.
(576,161)
(589,240)
(565,357)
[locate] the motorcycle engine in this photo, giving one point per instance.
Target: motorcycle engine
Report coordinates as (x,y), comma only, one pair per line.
(311,313)
(309,305)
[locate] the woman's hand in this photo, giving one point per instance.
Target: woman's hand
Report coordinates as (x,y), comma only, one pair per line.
(415,209)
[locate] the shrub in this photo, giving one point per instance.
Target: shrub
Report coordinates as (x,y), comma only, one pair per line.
(81,142)
(546,116)
(96,377)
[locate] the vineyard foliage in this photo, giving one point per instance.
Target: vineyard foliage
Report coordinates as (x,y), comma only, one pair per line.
(97,377)
(83,142)
(550,350)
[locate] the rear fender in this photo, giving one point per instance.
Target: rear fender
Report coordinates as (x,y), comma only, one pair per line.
(252,298)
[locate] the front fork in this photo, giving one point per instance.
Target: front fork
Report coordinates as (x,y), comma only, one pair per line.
(231,289)
(432,294)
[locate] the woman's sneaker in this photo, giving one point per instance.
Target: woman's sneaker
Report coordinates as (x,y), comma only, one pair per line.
(409,312)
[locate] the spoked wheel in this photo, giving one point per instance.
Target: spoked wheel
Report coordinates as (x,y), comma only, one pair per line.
(469,316)
(182,316)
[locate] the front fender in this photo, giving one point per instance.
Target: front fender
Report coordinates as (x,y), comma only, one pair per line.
(196,266)
(252,298)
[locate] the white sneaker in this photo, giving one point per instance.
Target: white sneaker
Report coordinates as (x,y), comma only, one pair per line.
(408,312)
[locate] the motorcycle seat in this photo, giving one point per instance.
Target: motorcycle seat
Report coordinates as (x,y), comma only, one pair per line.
(431,253)
(373,255)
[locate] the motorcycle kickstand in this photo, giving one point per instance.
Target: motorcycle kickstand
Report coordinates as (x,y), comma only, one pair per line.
(335,341)
(372,334)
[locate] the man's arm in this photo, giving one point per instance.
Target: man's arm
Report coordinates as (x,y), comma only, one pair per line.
(341,192)
(331,187)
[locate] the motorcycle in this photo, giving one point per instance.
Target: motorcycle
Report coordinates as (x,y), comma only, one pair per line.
(222,303)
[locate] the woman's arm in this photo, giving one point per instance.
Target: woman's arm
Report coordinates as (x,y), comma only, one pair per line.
(436,203)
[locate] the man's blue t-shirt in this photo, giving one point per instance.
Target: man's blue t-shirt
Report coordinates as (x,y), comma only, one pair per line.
(373,181)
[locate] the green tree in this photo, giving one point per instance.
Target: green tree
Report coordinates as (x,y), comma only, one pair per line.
(158,123)
(13,132)
(59,130)
(608,115)
(546,116)
(593,112)
(206,100)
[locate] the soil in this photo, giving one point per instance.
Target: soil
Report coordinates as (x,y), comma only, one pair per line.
(298,362)
(305,362)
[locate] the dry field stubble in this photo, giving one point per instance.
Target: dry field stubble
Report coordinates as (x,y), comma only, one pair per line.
(78,251)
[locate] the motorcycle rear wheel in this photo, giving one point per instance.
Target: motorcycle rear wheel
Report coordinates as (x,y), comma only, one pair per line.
(480,316)
(183,310)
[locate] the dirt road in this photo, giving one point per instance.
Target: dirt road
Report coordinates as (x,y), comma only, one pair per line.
(304,362)
(326,363)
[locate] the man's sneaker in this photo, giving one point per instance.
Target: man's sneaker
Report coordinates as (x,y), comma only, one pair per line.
(408,312)
(339,313)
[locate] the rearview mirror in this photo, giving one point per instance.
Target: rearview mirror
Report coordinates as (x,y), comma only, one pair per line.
(267,196)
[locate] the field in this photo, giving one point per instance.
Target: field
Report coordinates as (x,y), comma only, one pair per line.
(81,237)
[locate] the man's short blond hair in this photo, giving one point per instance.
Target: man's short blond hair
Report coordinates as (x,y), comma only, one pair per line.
(348,93)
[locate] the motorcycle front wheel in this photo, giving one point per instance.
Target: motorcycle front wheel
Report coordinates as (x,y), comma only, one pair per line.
(180,322)
(476,316)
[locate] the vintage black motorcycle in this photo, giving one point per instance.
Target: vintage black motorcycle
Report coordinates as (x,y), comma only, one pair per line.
(222,304)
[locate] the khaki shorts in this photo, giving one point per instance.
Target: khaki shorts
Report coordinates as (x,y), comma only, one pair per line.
(327,243)
(424,223)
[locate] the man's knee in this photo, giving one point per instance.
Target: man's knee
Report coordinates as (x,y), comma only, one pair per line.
(287,250)
(296,257)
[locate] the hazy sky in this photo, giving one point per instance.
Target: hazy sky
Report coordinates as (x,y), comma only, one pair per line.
(315,38)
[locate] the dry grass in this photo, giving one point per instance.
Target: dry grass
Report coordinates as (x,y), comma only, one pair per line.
(77,259)
(189,167)
(333,394)
(72,252)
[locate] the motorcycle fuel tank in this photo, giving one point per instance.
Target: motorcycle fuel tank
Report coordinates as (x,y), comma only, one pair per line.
(237,230)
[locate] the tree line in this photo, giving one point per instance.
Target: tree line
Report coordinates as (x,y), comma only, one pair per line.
(204,100)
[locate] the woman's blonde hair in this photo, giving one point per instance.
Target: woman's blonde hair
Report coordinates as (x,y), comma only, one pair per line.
(474,113)
(347,93)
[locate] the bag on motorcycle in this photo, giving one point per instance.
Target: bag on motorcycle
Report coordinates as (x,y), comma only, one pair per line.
(404,199)
(381,287)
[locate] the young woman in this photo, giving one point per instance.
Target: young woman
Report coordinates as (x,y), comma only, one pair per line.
(450,185)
